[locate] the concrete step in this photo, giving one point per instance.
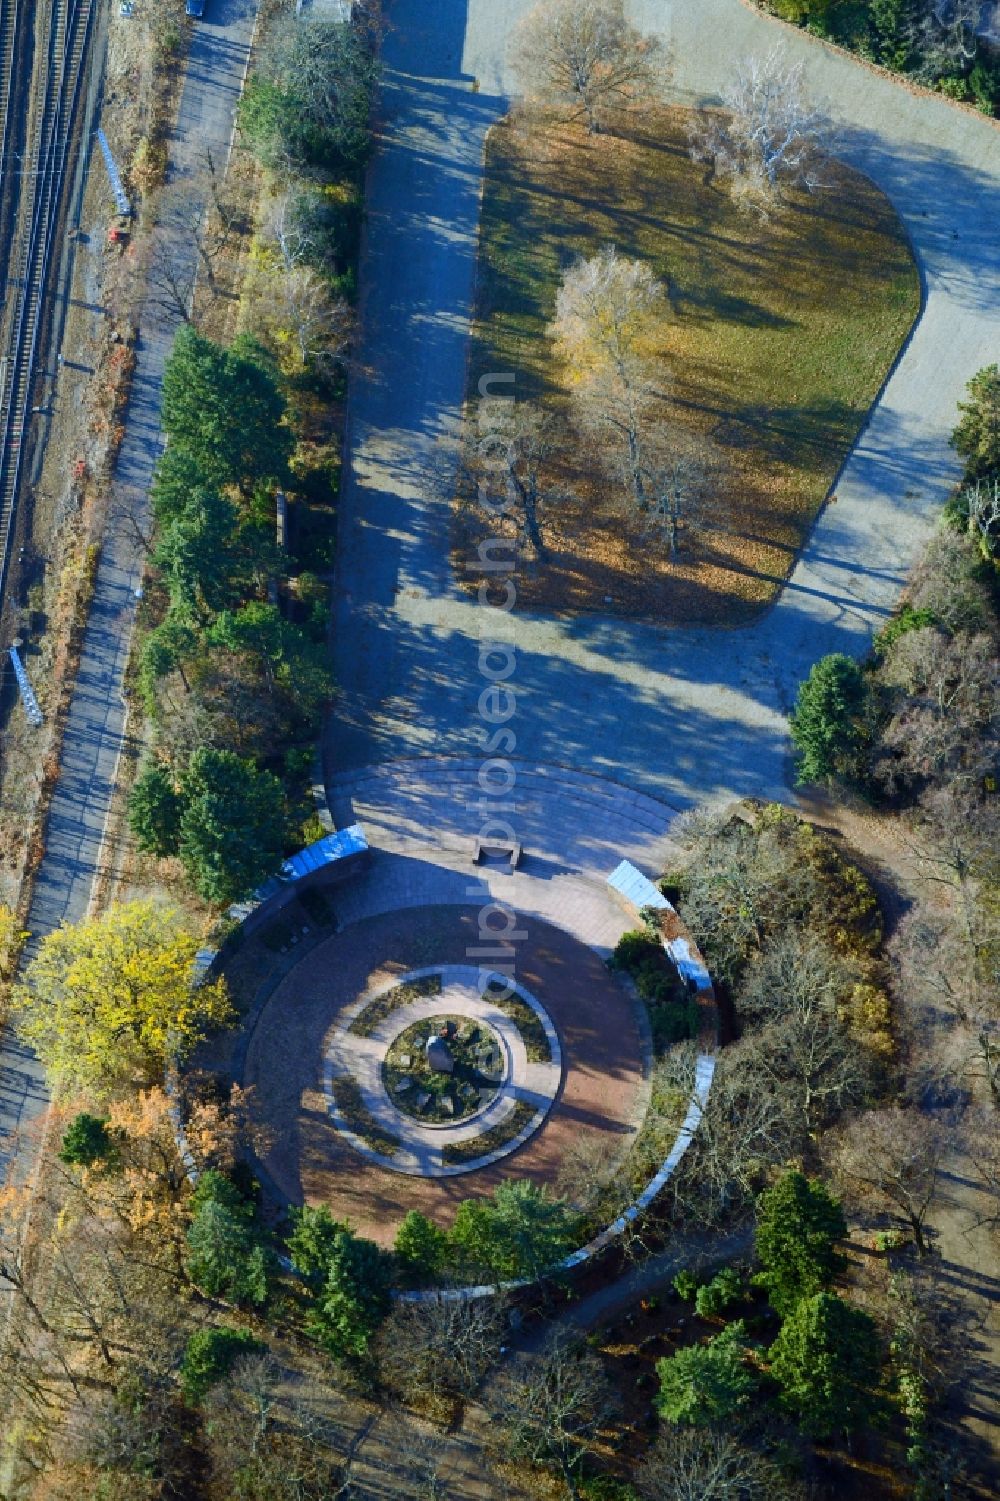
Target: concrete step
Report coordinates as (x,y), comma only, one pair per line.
(457,779)
(569,819)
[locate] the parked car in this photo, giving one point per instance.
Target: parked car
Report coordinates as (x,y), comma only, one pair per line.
(194,8)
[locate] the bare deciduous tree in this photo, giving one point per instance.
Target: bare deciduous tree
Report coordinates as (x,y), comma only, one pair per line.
(947,703)
(264,1428)
(768,137)
(170,278)
(184,219)
(293,311)
(948,581)
(585,54)
(679,489)
(553,1413)
(440,1347)
(745,1129)
(813,1066)
(290,305)
(287,231)
(947,963)
(511,456)
(983,1142)
(944,34)
(701,1464)
(982,505)
(606,309)
(796,971)
(889,1161)
(609,310)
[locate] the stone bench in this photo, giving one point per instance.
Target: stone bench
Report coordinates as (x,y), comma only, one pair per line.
(484,847)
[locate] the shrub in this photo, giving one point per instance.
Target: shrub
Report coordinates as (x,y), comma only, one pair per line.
(420,1247)
(310,103)
(686,1284)
(149,165)
(893,35)
(328,223)
(953,86)
(977,435)
(87,1141)
(798,1223)
(867,1014)
(826,722)
(606,1488)
(677,1021)
(905,620)
(654,983)
(713,1298)
(706,1383)
(209,1355)
(984,86)
(969,510)
(801,10)
(634,950)
(891,1240)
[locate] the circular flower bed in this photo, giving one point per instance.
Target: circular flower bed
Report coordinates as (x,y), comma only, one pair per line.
(418,1078)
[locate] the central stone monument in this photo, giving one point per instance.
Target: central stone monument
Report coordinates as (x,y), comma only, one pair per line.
(439,1057)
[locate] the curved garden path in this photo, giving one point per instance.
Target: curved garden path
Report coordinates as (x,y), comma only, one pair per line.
(682,714)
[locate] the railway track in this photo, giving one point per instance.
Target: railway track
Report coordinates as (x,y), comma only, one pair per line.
(41,169)
(9,18)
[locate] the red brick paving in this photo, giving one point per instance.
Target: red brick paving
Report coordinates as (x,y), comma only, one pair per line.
(310,1161)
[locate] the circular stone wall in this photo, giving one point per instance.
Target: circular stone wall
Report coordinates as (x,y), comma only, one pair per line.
(444,1094)
(442,1108)
(329,1147)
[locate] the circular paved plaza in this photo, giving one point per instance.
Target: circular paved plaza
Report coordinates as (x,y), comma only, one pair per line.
(445,1071)
(567,1066)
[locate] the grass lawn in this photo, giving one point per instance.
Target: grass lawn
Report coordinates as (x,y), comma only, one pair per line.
(780,337)
(475,1078)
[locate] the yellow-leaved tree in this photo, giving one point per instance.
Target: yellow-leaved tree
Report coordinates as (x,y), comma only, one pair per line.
(108,1002)
(11,937)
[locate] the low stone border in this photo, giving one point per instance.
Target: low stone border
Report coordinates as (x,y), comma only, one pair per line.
(422,1150)
(451,1152)
(355,1025)
(640,893)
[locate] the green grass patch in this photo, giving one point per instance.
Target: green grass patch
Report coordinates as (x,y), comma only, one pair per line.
(376,1011)
(428,1094)
(673,1015)
(536,1043)
(359,1119)
(780,337)
(490,1141)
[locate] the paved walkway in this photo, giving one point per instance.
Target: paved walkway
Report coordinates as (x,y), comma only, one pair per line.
(95,726)
(280,1052)
(682,715)
(421,1145)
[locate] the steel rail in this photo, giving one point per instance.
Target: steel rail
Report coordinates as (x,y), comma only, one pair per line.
(9,14)
(48,143)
